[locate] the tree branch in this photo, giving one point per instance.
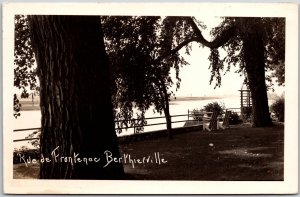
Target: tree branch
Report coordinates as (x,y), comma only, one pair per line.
(218,41)
(198,37)
(176,49)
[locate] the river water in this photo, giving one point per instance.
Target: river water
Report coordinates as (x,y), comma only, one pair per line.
(31,119)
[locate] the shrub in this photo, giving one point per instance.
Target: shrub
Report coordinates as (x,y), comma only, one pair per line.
(234,118)
(278,109)
(210,107)
(215,106)
(35,142)
(197,114)
(247,112)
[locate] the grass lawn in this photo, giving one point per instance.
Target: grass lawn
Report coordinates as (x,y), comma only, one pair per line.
(240,153)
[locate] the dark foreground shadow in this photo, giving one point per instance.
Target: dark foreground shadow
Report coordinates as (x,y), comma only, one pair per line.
(235,154)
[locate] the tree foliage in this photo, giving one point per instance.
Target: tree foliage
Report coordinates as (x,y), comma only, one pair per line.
(142,51)
(278,109)
(25,77)
(24,71)
(17,106)
(129,44)
(273,35)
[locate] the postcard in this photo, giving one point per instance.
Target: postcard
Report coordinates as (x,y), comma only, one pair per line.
(150,98)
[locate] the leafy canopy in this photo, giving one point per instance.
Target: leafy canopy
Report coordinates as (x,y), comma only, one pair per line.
(142,52)
(24,63)
(273,34)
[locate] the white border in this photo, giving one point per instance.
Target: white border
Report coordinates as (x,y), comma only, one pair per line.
(290,183)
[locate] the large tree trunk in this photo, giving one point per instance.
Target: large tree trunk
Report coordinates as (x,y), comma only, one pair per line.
(75,97)
(255,68)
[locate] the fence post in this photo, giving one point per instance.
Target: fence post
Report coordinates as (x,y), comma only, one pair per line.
(32,99)
(134,129)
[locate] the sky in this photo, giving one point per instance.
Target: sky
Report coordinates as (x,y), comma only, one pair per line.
(195,77)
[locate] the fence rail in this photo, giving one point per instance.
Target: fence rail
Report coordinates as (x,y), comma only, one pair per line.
(26,139)
(16,130)
(134,124)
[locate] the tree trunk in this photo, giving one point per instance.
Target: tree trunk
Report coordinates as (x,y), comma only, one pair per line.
(168,119)
(166,107)
(255,68)
(75,99)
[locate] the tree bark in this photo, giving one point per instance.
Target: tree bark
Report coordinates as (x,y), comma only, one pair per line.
(168,119)
(75,97)
(255,67)
(166,107)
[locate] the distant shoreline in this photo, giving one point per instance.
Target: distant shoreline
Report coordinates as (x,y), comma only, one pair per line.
(194,98)
(29,106)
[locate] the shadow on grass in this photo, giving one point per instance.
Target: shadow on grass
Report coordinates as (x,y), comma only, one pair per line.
(234,154)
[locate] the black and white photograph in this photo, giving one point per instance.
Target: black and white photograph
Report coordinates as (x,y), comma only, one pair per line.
(183,99)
